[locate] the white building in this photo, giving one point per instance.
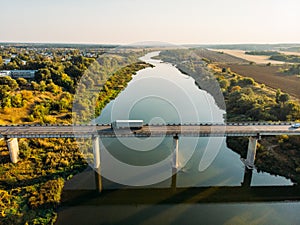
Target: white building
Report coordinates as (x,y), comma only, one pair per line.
(4,73)
(18,73)
(22,73)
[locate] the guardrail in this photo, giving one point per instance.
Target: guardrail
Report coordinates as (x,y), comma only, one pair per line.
(159,124)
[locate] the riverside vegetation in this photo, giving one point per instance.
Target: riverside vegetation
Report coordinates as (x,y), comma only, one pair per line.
(246,101)
(30,190)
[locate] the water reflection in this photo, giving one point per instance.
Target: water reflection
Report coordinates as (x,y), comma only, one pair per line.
(164,95)
(204,205)
(224,193)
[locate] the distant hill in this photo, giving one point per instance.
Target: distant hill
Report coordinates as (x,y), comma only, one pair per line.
(250,47)
(57,45)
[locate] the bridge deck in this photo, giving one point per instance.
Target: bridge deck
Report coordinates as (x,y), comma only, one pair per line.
(64,131)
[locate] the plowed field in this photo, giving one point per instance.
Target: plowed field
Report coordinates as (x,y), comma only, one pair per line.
(269,76)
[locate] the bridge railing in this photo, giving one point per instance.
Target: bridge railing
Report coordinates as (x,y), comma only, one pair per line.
(250,123)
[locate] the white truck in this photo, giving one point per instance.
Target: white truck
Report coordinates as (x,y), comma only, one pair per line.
(123,124)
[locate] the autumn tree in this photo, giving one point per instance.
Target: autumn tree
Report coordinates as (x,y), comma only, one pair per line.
(10,82)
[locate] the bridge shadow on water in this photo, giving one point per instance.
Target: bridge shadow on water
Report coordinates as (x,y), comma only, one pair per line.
(138,205)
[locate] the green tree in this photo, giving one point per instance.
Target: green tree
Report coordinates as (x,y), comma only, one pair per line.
(42,74)
(224,83)
(4,91)
(12,83)
(246,81)
(63,80)
(22,82)
(34,86)
(40,111)
(51,87)
(283,98)
(6,102)
(74,72)
(43,86)
(17,101)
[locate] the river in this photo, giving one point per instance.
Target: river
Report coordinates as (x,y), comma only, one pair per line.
(163,95)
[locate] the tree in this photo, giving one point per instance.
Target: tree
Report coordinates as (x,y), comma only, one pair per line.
(236,88)
(278,93)
(74,71)
(43,86)
(12,83)
(42,74)
(4,91)
(64,81)
(283,98)
(34,86)
(224,83)
(22,82)
(246,81)
(51,87)
(40,111)
(6,102)
(17,101)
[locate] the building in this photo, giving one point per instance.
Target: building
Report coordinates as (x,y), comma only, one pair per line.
(6,61)
(28,74)
(23,73)
(4,73)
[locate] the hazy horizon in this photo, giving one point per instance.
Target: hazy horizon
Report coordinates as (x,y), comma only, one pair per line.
(130,21)
(175,44)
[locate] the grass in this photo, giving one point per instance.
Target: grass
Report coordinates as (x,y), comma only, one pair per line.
(31,189)
(20,115)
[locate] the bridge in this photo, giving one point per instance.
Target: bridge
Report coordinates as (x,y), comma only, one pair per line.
(252,130)
(171,130)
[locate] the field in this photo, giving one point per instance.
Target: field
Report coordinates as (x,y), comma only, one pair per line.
(269,76)
(290,53)
(215,56)
(261,73)
(259,59)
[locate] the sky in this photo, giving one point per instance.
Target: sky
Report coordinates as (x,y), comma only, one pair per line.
(131,21)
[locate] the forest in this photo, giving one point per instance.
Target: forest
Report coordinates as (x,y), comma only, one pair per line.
(30,190)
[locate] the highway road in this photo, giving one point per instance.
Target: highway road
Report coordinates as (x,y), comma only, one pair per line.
(64,131)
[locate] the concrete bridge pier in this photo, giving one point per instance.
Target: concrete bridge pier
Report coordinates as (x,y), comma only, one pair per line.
(13,147)
(175,159)
(97,162)
(247,178)
(251,153)
(175,162)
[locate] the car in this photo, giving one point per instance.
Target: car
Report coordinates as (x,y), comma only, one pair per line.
(295,125)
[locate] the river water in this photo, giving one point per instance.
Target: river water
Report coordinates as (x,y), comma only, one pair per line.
(163,95)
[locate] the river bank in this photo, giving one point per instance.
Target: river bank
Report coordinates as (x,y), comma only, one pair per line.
(246,100)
